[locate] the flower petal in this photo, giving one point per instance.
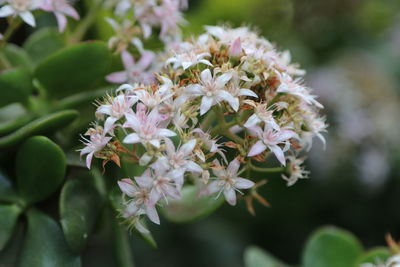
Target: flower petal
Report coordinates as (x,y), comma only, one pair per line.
(242,183)
(230,196)
(132,138)
(206,104)
(257,148)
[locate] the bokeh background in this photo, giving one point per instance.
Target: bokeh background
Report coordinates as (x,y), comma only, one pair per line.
(351,51)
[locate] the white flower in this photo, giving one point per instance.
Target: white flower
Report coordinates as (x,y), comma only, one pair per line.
(210,143)
(271,139)
(228,181)
(262,114)
(96,142)
(145,127)
(61,9)
(135,72)
(290,86)
(188,59)
(212,90)
(179,160)
(140,202)
(116,108)
(296,170)
(21,8)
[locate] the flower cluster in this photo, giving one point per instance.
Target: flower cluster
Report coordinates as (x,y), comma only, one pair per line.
(24,9)
(224,103)
(393,261)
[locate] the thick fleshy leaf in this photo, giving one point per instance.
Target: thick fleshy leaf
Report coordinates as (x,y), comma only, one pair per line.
(256,257)
(375,256)
(16,86)
(10,254)
(40,169)
(74,68)
(17,57)
(8,218)
(45,245)
(43,43)
(41,125)
(80,205)
(7,193)
(13,117)
(190,207)
(331,247)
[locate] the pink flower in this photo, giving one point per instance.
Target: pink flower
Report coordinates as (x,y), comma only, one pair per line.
(228,181)
(61,9)
(21,8)
(116,108)
(212,90)
(235,50)
(210,143)
(189,58)
(169,16)
(96,142)
(134,72)
(262,114)
(271,139)
(140,202)
(179,160)
(145,127)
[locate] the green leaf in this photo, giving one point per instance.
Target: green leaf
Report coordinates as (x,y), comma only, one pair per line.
(16,86)
(331,247)
(45,245)
(42,125)
(43,43)
(7,193)
(74,69)
(17,56)
(40,169)
(374,256)
(8,218)
(190,207)
(10,254)
(80,205)
(256,257)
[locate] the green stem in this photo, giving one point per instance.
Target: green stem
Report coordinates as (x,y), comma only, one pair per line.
(267,170)
(12,28)
(207,121)
(85,23)
(122,248)
(223,127)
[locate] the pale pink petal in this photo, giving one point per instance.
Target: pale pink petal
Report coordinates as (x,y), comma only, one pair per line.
(127,59)
(70,11)
(252,121)
(145,180)
(146,60)
(235,50)
(28,18)
(213,187)
(155,143)
(117,77)
(242,183)
(194,89)
(233,167)
(206,104)
(233,101)
(206,62)
(109,124)
(206,76)
(230,196)
(247,92)
(132,138)
(186,65)
(188,147)
(166,133)
(127,187)
(257,148)
(89,159)
(152,214)
(170,148)
(278,153)
(6,11)
(223,79)
(193,167)
(61,20)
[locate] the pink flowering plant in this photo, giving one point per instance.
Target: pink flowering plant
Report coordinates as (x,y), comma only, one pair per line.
(179,125)
(222,106)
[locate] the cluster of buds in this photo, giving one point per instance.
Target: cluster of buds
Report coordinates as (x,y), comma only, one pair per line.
(24,9)
(223,105)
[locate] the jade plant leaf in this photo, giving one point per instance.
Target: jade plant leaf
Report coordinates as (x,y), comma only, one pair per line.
(10,253)
(45,245)
(256,257)
(40,169)
(331,247)
(43,43)
(374,256)
(80,205)
(190,207)
(7,193)
(41,125)
(17,57)
(16,86)
(73,69)
(8,218)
